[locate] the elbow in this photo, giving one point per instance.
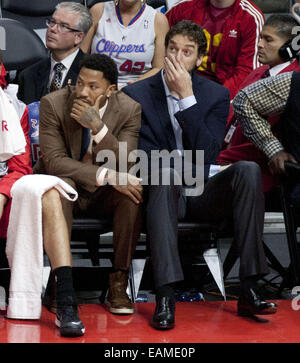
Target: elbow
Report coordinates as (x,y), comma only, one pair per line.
(239,102)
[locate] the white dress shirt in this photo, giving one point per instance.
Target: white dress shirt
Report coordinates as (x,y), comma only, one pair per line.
(276,69)
(67,62)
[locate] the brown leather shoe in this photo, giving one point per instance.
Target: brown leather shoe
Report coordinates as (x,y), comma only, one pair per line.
(118,301)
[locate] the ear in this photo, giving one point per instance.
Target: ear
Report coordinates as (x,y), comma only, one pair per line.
(199,60)
(78,38)
(110,90)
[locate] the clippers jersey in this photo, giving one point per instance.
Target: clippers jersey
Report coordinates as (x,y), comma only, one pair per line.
(131,47)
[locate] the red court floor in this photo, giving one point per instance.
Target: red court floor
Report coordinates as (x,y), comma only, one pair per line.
(196,322)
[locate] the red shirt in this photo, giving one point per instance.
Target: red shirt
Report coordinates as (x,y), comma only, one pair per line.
(18,166)
(237,53)
(213,23)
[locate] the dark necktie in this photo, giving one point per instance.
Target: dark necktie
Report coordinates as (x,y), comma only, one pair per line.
(56,80)
(85,142)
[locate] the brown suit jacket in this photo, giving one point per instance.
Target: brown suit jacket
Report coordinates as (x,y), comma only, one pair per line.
(60,135)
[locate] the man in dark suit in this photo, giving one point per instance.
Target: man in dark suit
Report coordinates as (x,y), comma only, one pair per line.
(183,111)
(66,30)
(76,124)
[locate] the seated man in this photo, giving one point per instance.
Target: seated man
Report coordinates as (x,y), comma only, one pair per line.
(252,106)
(276,53)
(184,111)
(75,125)
(232,29)
(57,249)
(66,30)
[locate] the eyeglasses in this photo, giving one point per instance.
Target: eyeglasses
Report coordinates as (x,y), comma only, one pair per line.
(61,27)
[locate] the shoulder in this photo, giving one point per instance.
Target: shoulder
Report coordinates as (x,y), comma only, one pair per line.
(209,87)
(249,13)
(138,89)
(161,20)
(58,99)
(183,4)
(182,8)
(254,75)
(31,70)
(124,102)
(97,11)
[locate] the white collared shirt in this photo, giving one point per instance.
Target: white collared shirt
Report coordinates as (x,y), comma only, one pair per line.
(277,69)
(67,62)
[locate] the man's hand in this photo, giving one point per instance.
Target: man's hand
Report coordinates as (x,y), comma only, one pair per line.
(87,115)
(276,164)
(3,201)
(178,78)
(126,184)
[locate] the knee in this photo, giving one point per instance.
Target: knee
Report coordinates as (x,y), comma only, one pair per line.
(51,200)
(247,174)
(248,169)
(164,182)
(169,177)
(126,204)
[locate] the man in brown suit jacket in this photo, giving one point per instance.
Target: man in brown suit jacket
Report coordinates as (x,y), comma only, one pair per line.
(76,123)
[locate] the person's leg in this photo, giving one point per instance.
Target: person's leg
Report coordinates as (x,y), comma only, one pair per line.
(57,247)
(49,299)
(236,194)
(55,231)
(127,222)
(165,205)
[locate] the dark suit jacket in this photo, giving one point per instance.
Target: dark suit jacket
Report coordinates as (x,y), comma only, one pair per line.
(203,124)
(61,136)
(33,81)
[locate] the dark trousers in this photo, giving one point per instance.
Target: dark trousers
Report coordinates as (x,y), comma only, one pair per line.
(235,194)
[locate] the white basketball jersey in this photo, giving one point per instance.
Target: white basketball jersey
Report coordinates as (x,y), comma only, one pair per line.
(131,47)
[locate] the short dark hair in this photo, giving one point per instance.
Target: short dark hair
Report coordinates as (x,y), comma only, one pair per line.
(190,29)
(284,24)
(101,63)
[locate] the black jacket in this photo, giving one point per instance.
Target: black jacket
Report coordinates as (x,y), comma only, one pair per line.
(33,81)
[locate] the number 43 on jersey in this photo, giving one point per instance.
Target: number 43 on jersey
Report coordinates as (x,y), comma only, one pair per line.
(132,67)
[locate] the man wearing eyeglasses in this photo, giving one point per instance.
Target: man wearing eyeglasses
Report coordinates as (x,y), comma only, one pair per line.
(66,30)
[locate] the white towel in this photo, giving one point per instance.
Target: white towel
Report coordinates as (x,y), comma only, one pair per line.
(12,139)
(24,247)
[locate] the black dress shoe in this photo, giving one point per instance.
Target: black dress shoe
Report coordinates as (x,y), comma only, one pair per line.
(164,315)
(252,304)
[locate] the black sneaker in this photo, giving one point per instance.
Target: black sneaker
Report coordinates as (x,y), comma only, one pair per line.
(68,321)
